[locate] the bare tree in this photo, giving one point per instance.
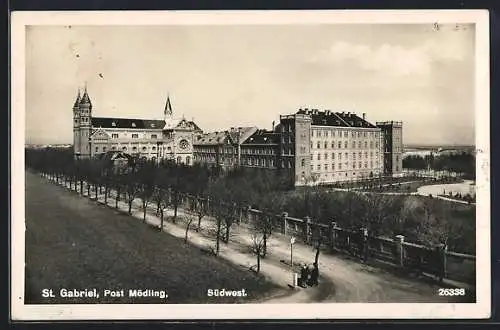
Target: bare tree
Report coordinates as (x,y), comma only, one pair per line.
(257,246)
(190,220)
(201,209)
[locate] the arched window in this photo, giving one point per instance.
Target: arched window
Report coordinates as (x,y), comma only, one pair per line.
(179,159)
(303,163)
(188,160)
(144,148)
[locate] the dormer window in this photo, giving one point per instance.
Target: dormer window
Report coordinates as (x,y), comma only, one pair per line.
(133,124)
(152,125)
(113,124)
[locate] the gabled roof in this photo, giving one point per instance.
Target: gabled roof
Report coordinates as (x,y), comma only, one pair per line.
(262,136)
(108,122)
(213,138)
(241,134)
(330,118)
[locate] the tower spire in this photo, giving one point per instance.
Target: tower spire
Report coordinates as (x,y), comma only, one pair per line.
(168,107)
(78,99)
(85,98)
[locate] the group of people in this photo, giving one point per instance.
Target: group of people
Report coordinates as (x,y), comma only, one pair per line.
(309,275)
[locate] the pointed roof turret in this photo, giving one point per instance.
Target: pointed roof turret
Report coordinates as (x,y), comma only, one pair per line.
(168,107)
(78,99)
(85,98)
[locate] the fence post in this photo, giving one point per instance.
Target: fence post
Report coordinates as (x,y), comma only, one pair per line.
(307,227)
(333,235)
(284,215)
(442,271)
(399,257)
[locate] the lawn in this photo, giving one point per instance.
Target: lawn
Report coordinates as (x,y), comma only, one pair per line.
(75,243)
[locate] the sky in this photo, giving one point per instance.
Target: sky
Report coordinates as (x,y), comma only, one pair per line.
(228,76)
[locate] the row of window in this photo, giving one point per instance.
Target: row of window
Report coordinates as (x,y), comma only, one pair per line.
(325,176)
(345,144)
(334,133)
(346,155)
(124,148)
(326,167)
(134,136)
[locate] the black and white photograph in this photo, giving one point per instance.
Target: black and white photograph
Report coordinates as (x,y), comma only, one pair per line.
(250,165)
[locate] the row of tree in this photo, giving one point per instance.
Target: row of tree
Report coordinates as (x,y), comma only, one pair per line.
(463,163)
(225,195)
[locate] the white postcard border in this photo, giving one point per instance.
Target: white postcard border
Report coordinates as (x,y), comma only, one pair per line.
(480,309)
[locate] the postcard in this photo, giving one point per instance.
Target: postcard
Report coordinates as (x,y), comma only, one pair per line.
(239,165)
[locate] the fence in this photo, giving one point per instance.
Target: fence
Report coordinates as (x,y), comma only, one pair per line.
(410,257)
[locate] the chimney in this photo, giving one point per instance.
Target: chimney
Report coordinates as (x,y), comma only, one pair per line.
(364,116)
(272,129)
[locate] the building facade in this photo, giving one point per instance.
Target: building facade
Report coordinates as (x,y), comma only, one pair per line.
(311,146)
(327,146)
(169,138)
(392,140)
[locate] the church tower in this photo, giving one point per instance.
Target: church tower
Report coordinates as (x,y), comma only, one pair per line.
(85,109)
(76,126)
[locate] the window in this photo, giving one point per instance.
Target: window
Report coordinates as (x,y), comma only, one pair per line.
(312,133)
(135,136)
(319,167)
(354,165)
(154,148)
(345,145)
(96,149)
(360,154)
(114,135)
(366,154)
(154,136)
(340,144)
(360,164)
(366,144)
(312,167)
(353,155)
(333,145)
(333,156)
(326,167)
(333,166)
(318,145)
(366,164)
(303,163)
(364,134)
(319,156)
(113,148)
(353,134)
(340,156)
(345,133)
(134,149)
(144,148)
(353,144)
(326,145)
(103,149)
(312,145)
(326,156)
(133,124)
(340,166)
(376,144)
(124,148)
(113,124)
(311,157)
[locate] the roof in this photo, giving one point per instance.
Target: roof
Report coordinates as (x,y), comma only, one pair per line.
(106,122)
(262,136)
(114,155)
(195,127)
(212,138)
(331,118)
(241,133)
(85,98)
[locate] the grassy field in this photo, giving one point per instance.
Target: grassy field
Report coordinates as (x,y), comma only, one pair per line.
(74,243)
